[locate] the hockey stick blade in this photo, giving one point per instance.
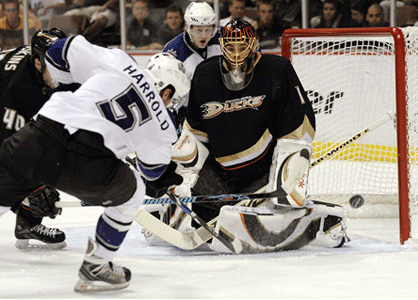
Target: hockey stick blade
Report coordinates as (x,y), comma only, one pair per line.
(186,241)
(235,246)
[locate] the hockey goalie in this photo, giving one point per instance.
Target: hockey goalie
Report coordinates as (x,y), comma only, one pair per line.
(249,128)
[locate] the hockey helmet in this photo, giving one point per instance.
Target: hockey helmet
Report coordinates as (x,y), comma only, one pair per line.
(239,46)
(42,40)
(168,72)
(200,14)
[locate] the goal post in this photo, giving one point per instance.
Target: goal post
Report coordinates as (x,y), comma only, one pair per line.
(353,76)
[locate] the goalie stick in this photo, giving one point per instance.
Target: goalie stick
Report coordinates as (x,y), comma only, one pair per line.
(389,116)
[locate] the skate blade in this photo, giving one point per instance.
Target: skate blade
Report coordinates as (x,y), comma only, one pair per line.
(24,244)
(87,286)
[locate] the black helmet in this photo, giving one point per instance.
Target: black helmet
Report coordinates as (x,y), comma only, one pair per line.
(42,40)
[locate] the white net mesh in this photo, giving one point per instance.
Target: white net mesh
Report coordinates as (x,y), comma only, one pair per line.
(351,81)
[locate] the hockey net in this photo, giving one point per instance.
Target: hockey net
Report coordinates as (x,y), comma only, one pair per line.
(354,77)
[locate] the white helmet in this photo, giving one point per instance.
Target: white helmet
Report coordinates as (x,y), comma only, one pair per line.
(200,14)
(167,71)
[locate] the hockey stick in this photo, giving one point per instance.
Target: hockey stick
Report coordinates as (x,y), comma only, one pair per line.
(235,246)
(194,199)
(389,116)
(286,189)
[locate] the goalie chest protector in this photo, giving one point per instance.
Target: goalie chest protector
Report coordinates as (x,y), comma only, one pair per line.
(273,105)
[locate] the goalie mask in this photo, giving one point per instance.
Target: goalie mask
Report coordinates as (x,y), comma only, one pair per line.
(168,72)
(239,45)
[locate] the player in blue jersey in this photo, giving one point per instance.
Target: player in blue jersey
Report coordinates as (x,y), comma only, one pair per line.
(200,40)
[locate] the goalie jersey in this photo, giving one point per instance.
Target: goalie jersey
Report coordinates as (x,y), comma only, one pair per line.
(241,127)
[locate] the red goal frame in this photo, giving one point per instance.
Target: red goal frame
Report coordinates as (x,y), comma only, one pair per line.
(401,101)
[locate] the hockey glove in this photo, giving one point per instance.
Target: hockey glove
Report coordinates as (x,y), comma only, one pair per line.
(157,188)
(42,202)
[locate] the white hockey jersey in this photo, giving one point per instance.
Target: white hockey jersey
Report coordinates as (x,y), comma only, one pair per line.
(116,100)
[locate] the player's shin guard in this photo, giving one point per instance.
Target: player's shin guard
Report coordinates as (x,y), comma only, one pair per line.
(289,170)
(265,229)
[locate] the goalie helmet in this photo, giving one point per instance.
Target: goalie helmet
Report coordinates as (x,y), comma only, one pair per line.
(42,40)
(168,72)
(239,46)
(199,14)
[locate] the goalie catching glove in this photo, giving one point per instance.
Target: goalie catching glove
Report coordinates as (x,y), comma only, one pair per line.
(42,202)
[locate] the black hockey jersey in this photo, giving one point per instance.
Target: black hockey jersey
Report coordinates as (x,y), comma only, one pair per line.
(240,126)
(21,94)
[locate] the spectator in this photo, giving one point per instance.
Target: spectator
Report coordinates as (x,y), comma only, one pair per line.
(268,25)
(101,14)
(385,4)
(44,9)
(11,25)
(334,14)
(359,11)
(236,10)
(173,25)
(141,29)
(32,15)
(374,17)
(289,12)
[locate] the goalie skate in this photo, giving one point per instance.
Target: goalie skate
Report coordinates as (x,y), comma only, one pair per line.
(38,236)
(97,274)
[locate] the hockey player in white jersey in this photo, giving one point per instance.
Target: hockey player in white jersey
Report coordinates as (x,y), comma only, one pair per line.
(79,139)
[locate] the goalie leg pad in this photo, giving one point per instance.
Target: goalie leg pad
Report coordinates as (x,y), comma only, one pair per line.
(289,171)
(264,229)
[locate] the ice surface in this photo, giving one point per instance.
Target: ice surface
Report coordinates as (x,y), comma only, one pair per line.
(372,265)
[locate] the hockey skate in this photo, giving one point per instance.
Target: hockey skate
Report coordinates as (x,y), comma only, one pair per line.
(51,238)
(97,274)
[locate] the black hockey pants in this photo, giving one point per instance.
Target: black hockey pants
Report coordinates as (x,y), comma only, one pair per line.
(44,153)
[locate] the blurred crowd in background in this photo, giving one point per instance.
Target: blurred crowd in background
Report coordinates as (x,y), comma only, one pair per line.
(151,24)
